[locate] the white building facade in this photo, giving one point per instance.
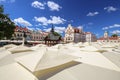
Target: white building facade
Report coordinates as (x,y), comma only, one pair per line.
(73,34)
(69,34)
(90,37)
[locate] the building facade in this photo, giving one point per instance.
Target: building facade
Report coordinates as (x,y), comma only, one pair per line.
(106,38)
(90,37)
(19,33)
(69,34)
(30,34)
(78,35)
(38,35)
(73,34)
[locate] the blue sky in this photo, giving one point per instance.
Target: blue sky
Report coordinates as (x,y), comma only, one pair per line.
(93,15)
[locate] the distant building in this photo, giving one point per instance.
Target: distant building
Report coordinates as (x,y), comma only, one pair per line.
(106,38)
(30,35)
(90,37)
(78,35)
(73,34)
(38,35)
(19,33)
(52,38)
(69,34)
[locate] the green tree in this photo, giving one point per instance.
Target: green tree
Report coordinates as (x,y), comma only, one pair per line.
(114,35)
(6,25)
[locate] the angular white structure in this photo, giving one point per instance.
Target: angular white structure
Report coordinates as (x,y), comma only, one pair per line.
(41,60)
(15,71)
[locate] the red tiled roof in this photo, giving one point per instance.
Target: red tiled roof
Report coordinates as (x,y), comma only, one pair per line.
(21,29)
(102,38)
(109,38)
(113,38)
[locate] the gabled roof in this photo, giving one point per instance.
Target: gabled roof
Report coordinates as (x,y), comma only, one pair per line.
(53,36)
(21,29)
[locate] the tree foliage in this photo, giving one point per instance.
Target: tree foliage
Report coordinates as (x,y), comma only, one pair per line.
(6,25)
(114,35)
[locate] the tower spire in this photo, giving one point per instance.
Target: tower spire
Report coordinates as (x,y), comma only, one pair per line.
(52,29)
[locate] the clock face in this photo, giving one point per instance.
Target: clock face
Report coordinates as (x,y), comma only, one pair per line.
(69,33)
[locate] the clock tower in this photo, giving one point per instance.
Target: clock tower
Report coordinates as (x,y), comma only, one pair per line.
(105,34)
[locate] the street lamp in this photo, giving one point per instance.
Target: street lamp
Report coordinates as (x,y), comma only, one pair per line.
(24,38)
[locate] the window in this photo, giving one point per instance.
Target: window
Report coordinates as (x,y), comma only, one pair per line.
(17,35)
(20,35)
(68,38)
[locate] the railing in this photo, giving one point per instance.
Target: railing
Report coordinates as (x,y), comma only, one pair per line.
(20,41)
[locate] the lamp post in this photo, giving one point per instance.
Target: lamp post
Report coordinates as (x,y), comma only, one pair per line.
(24,38)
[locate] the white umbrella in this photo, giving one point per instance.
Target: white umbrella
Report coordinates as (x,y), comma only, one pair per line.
(3,53)
(89,48)
(41,60)
(9,46)
(91,57)
(85,72)
(38,46)
(15,71)
(19,49)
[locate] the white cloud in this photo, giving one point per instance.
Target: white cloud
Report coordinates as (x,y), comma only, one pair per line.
(56,20)
(22,22)
(105,28)
(57,29)
(47,30)
(53,6)
(30,28)
(52,20)
(42,20)
(60,29)
(34,28)
(116,32)
(113,26)
(97,34)
(9,1)
(90,23)
(110,9)
(92,13)
(38,24)
(37,4)
(80,27)
(38,29)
